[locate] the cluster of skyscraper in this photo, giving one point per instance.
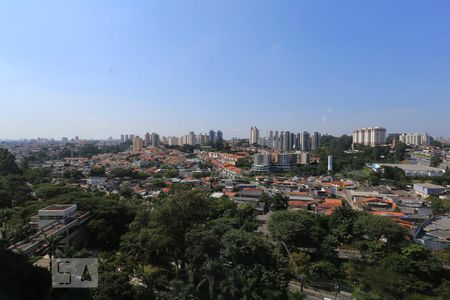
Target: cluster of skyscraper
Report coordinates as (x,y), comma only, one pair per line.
(150,140)
(285,140)
(153,140)
(193,139)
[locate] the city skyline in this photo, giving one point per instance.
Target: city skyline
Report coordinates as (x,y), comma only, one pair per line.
(262,134)
(99,69)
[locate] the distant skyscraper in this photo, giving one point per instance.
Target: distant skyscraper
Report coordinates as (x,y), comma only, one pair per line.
(137,144)
(371,136)
(191,140)
(212,137)
(416,139)
(155,139)
(219,135)
(172,140)
(147,139)
(297,143)
(315,141)
(305,141)
(122,138)
(286,146)
(254,136)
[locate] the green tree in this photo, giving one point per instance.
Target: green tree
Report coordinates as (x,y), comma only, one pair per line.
(19,279)
(435,161)
(8,165)
(97,171)
(297,228)
(322,269)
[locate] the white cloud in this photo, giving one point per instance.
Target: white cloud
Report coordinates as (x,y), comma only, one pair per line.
(275,46)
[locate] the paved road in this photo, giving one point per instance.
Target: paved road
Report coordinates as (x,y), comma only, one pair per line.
(316,294)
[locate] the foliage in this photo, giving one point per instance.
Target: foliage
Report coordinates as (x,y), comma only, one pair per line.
(435,161)
(8,164)
(275,202)
(207,249)
(97,171)
(297,228)
(21,280)
(439,206)
(245,163)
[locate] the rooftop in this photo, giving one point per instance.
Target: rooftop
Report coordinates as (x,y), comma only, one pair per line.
(58,207)
(412,167)
(430,185)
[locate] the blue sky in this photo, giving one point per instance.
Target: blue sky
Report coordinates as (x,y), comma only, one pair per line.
(102,68)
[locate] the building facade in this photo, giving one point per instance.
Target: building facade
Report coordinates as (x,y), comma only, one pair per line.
(371,136)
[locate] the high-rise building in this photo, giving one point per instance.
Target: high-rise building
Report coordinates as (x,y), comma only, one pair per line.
(191,140)
(254,136)
(315,141)
(219,136)
(286,144)
(416,139)
(155,139)
(304,158)
(371,136)
(147,139)
(137,144)
(330,163)
(212,137)
(261,163)
(305,141)
(122,138)
(297,143)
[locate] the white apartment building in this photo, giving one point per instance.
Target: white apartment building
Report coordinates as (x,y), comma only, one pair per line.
(417,139)
(254,136)
(371,136)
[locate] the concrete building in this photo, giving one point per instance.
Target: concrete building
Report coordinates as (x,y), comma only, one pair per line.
(435,233)
(254,136)
(60,213)
(305,158)
(371,136)
(212,137)
(284,161)
(155,139)
(147,139)
(305,141)
(219,135)
(172,141)
(428,189)
(286,144)
(137,144)
(315,141)
(412,170)
(261,163)
(416,139)
(62,220)
(191,139)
